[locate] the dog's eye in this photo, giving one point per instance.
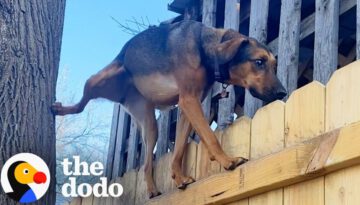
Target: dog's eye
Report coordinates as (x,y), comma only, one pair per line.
(259,62)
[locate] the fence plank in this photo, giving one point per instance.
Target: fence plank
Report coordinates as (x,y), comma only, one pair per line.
(76,201)
(189,161)
(288,54)
(326,39)
(326,153)
(342,107)
(205,167)
(162,174)
(87,200)
(141,195)
(267,136)
(226,105)
(305,119)
(307,26)
(164,132)
(113,131)
(258,29)
(132,146)
(128,181)
(236,139)
(118,166)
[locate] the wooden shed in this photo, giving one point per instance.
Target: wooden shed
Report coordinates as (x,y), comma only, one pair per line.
(303,150)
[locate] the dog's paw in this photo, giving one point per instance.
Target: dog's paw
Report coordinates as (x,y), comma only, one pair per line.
(56,108)
(153,194)
(182,182)
(235,162)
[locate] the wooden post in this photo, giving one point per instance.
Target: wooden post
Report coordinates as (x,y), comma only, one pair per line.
(111,150)
(226,105)
(358,29)
(326,39)
(164,131)
(132,146)
(288,54)
(258,29)
(118,166)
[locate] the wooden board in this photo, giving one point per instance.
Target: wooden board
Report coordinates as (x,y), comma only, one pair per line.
(162,174)
(342,187)
(304,161)
(343,97)
(305,119)
(342,108)
(76,201)
(128,181)
(132,146)
(305,113)
(204,166)
(164,132)
(267,136)
(258,29)
(267,130)
(87,200)
(189,161)
(111,149)
(305,193)
(288,52)
(236,138)
(326,39)
(357,29)
(141,195)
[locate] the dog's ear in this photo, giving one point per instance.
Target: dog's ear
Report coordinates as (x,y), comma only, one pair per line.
(226,50)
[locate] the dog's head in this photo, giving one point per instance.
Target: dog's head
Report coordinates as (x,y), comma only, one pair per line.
(250,65)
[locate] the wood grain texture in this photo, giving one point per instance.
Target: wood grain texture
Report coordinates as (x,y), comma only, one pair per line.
(307,26)
(112,141)
(141,195)
(164,132)
(189,160)
(267,136)
(267,130)
(76,201)
(305,193)
(162,174)
(226,105)
(326,39)
(342,187)
(258,29)
(235,140)
(204,166)
(87,201)
(132,146)
(343,97)
(305,113)
(118,165)
(288,52)
(277,170)
(128,181)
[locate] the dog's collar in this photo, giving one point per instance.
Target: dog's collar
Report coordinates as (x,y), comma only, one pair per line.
(221,73)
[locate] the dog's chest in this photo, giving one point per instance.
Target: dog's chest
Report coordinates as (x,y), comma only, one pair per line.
(161,89)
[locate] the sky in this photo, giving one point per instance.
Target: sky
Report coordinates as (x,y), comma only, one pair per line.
(92,39)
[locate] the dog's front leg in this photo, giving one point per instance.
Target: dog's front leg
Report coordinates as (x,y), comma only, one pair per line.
(183,129)
(191,107)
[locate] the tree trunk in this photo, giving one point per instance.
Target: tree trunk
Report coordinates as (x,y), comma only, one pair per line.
(30,40)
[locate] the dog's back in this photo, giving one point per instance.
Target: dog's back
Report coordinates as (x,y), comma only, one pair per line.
(159,48)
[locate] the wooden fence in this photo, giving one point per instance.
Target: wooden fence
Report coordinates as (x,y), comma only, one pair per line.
(305,151)
(311,39)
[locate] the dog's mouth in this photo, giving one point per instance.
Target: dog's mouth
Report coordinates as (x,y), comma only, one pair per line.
(267,98)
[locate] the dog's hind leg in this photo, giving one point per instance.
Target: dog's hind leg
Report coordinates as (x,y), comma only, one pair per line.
(110,83)
(183,129)
(144,113)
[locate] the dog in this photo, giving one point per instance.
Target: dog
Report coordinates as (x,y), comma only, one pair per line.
(177,64)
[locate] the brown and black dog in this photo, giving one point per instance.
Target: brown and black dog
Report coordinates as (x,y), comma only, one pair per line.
(177,64)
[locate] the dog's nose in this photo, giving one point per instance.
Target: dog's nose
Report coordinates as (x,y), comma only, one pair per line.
(280,93)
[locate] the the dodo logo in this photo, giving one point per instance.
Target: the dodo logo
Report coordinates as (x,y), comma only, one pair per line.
(25,177)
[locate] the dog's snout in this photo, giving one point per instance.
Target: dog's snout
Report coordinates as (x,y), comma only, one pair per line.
(281,93)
